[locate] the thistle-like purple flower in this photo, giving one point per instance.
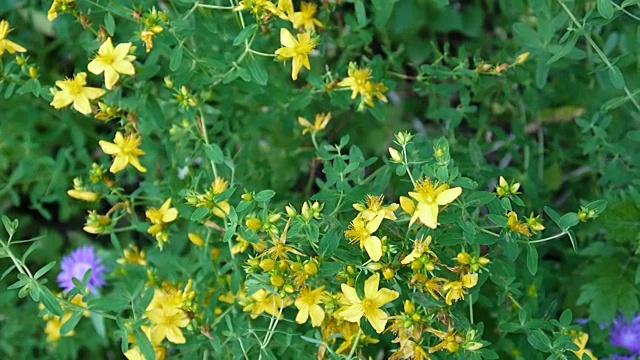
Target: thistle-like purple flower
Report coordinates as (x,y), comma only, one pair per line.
(76,265)
(626,334)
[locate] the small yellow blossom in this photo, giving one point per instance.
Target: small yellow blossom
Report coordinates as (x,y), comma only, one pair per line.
(263,301)
(166,314)
(362,233)
(357,80)
(54,324)
(160,219)
(257,7)
(450,341)
(74,91)
(320,123)
(456,289)
(581,340)
(220,209)
(6,44)
(429,196)
(305,18)
(535,224)
(395,156)
(351,334)
(297,50)
(113,62)
(522,58)
(308,306)
(125,151)
(420,247)
(369,307)
(196,239)
(155,338)
(516,226)
(243,245)
(373,212)
(61,6)
(97,224)
(133,255)
(80,193)
(505,189)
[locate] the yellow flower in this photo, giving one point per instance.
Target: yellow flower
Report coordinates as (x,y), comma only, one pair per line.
(54,324)
(113,62)
(257,7)
(456,289)
(516,226)
(133,255)
(369,307)
(297,50)
(166,314)
(505,189)
(429,196)
(168,324)
(450,341)
(80,193)
(125,151)
(280,249)
(263,301)
(581,340)
(320,123)
(60,6)
(373,212)
(74,91)
(155,337)
(535,224)
(220,209)
(305,18)
(6,44)
(357,80)
(243,245)
(351,333)
(160,219)
(420,247)
(308,305)
(97,224)
(362,233)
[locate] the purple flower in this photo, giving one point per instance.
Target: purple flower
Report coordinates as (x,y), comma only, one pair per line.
(76,265)
(623,357)
(626,334)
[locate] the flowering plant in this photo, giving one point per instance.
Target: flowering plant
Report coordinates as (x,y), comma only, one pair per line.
(217,221)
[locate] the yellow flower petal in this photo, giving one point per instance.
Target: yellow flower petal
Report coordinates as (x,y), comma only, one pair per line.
(350,293)
(371,286)
(378,320)
(448,196)
(373,245)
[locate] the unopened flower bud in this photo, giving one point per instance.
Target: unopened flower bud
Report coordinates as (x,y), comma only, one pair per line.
(254,224)
(277,280)
(464,258)
(522,58)
(33,72)
(409,308)
(395,155)
(196,239)
(311,268)
(267,264)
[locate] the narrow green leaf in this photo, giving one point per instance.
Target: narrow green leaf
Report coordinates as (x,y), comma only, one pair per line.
(616,77)
(8,225)
(539,340)
(257,71)
(51,303)
(245,34)
(43,270)
(70,324)
(553,215)
(200,213)
(361,13)
(110,24)
(144,344)
(532,259)
(176,58)
(214,153)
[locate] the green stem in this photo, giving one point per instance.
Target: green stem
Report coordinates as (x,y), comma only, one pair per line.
(547,238)
(597,49)
(355,344)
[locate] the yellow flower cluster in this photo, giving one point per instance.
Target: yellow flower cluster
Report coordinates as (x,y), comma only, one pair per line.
(359,81)
(367,222)
(160,219)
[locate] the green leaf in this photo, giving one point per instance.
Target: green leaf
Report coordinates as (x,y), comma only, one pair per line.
(568,220)
(257,71)
(144,344)
(265,195)
(51,303)
(383,10)
(9,226)
(539,340)
(532,259)
(605,8)
(614,103)
(214,153)
(634,135)
(542,73)
(200,213)
(43,270)
(361,13)
(616,76)
(637,279)
(245,34)
(176,58)
(329,243)
(110,303)
(70,324)
(110,24)
(564,50)
(566,317)
(480,198)
(553,215)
